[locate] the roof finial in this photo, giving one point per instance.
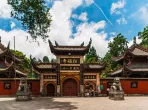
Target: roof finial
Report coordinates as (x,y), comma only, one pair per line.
(0,38)
(134,40)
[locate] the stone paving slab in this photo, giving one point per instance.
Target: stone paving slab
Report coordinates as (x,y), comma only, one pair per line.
(71,103)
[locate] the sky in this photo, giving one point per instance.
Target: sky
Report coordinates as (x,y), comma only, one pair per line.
(75,21)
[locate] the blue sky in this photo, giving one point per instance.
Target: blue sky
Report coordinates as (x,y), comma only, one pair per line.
(75,21)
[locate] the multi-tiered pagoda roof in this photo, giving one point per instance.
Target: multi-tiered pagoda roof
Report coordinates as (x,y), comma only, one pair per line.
(134,62)
(9,63)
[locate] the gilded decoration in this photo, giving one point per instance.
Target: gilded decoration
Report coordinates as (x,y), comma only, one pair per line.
(62,77)
(68,73)
(78,77)
(69,60)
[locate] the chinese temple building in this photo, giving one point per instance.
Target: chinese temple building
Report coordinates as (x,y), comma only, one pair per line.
(10,65)
(134,63)
(69,76)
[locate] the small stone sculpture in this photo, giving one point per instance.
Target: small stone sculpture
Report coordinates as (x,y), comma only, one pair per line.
(23,93)
(116,92)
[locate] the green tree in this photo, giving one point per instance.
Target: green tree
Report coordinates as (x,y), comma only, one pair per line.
(144,37)
(53,60)
(118,46)
(31,75)
(46,59)
(91,56)
(34,16)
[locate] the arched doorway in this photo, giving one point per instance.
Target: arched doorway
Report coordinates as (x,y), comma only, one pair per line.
(50,89)
(70,87)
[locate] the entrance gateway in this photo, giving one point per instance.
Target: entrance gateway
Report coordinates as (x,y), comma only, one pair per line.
(68,75)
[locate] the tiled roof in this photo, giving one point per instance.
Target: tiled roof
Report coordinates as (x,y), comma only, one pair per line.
(117,71)
(134,50)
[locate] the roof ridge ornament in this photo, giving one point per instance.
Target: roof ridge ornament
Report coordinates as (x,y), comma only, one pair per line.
(82,44)
(134,40)
(0,38)
(8,45)
(56,43)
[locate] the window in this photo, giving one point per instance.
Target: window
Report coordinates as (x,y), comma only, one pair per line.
(7,85)
(134,84)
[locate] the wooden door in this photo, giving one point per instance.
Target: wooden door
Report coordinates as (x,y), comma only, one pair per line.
(50,90)
(70,88)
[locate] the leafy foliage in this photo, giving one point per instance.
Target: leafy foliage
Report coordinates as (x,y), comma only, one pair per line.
(34,15)
(46,59)
(26,62)
(118,46)
(144,36)
(91,56)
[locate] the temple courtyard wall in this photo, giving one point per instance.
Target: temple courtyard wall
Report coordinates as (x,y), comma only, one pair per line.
(130,86)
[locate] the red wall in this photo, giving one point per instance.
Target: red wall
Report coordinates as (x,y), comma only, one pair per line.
(35,87)
(126,84)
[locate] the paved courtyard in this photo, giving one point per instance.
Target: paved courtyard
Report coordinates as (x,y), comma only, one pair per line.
(66,103)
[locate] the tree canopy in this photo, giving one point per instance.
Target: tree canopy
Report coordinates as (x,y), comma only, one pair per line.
(34,16)
(46,59)
(118,45)
(91,56)
(144,37)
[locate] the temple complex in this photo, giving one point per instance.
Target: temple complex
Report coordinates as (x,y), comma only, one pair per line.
(69,76)
(134,62)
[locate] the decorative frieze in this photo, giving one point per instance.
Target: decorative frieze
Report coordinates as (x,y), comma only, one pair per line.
(89,76)
(49,77)
(70,68)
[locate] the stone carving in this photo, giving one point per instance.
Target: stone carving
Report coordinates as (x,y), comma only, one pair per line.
(116,92)
(23,93)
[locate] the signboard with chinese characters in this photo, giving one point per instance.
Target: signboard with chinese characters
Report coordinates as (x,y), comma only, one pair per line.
(7,85)
(90,77)
(69,60)
(49,77)
(70,68)
(134,84)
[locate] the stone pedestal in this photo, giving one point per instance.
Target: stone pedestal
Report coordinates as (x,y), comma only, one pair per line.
(23,93)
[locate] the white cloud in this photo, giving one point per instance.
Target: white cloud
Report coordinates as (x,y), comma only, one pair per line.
(24,46)
(88,2)
(141,14)
(83,16)
(122,21)
(74,16)
(5,9)
(60,30)
(113,33)
(12,25)
(85,31)
(116,6)
(138,41)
